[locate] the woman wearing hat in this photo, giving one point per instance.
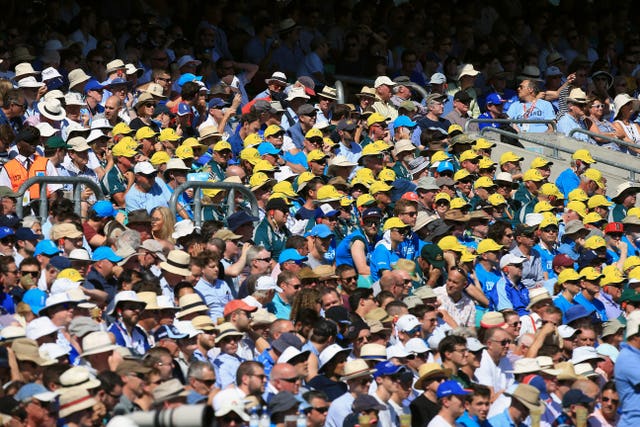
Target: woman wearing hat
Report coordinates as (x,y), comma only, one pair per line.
(626,129)
(596,114)
(144,107)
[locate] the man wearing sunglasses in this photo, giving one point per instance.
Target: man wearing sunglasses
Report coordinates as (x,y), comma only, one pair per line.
(387,252)
(318,407)
(495,368)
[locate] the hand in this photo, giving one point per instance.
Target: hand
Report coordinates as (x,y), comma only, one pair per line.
(41,91)
(179,130)
(86,194)
(547,329)
(571,78)
(237,100)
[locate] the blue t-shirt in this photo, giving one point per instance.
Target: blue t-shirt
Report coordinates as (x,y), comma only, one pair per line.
(537,110)
(596,305)
(567,181)
(381,260)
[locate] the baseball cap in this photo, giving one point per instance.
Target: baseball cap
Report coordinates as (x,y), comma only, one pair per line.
(450,388)
(495,99)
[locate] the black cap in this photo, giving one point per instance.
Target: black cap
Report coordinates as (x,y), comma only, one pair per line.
(239,219)
(277,204)
(575,397)
(30,135)
(282,402)
(285,340)
(366,402)
(306,109)
(347,125)
(338,314)
(371,212)
(462,96)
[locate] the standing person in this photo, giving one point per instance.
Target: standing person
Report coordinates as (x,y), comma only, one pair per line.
(529,107)
(627,374)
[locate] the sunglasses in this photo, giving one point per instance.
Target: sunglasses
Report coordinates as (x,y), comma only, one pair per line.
(325,409)
(504,342)
(30,273)
(614,401)
(290,380)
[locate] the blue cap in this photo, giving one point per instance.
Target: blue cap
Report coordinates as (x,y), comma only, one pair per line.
(92,84)
(104,209)
(575,397)
(188,77)
(495,99)
(538,382)
(168,331)
(105,252)
(239,219)
(445,166)
(290,254)
(24,233)
(450,388)
(268,148)
(184,109)
(386,368)
(46,247)
(117,81)
(60,262)
(575,312)
(36,299)
(371,212)
(6,232)
(217,102)
(321,231)
(404,121)
(29,390)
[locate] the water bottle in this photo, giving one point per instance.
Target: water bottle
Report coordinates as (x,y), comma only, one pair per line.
(254,421)
(265,421)
(302,420)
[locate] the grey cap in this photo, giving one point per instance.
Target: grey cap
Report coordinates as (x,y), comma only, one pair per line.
(282,402)
(83,325)
(445,180)
(418,164)
(427,183)
(574,226)
(306,109)
(285,340)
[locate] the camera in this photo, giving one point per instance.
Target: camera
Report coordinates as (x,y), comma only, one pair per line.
(182,416)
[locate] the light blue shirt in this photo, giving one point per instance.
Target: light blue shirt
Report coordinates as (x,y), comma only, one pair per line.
(627,377)
(504,420)
(339,409)
(281,309)
(215,296)
(226,367)
(567,123)
(538,110)
(532,272)
(158,195)
(352,153)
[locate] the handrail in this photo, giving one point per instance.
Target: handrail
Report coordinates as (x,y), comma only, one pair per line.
(556,149)
(43,181)
(517,136)
(509,121)
(600,136)
(369,82)
(197,199)
(339,91)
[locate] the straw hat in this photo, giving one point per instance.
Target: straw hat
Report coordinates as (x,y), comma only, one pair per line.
(74,400)
(227,330)
(191,303)
(355,369)
(97,342)
(428,371)
(529,396)
(78,376)
(177,263)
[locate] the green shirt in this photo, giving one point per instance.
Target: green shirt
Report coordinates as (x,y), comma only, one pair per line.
(271,239)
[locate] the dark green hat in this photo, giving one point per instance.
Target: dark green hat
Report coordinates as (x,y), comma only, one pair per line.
(630,295)
(433,255)
(56,142)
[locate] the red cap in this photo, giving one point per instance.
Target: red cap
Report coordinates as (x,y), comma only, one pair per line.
(562,260)
(410,195)
(238,304)
(614,227)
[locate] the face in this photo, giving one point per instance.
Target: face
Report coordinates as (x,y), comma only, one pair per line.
(211,271)
(609,403)
(330,299)
(456,282)
(41,413)
(317,414)
(165,367)
(586,337)
(290,288)
(459,355)
(498,345)
(203,383)
(429,322)
(229,344)
(456,405)
(262,264)
(61,314)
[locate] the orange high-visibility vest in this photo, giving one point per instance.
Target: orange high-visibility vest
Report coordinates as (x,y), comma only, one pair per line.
(18,174)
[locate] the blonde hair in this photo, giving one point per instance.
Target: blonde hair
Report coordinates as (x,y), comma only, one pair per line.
(169,223)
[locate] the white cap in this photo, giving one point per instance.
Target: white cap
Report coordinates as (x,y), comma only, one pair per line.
(52,351)
(46,130)
(284,173)
(267,283)
(63,285)
(183,228)
(474,344)
(330,352)
(437,79)
(584,353)
(407,322)
(79,255)
(533,219)
(144,168)
(397,350)
(186,327)
(290,353)
(566,331)
(416,346)
(40,327)
(510,259)
(383,81)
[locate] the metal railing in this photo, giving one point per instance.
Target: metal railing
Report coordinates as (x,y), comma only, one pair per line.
(518,136)
(510,121)
(556,149)
(341,79)
(606,138)
(197,199)
(43,181)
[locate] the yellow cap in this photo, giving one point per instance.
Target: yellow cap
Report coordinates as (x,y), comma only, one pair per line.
(458,203)
(532,175)
(612,276)
(211,192)
(483,144)
(486,163)
(578,207)
(169,134)
(346,201)
(542,206)
(302,179)
(393,222)
(469,155)
(375,118)
(387,175)
(313,133)
(365,199)
(590,273)
(279,196)
(595,176)
(222,145)
(371,150)
(454,128)
(315,155)
(461,174)
(379,187)
(634,273)
(124,148)
(510,156)
(634,211)
(439,156)
(547,220)
(442,196)
(328,193)
(329,142)
(568,275)
(467,256)
(71,274)
(484,182)
(159,158)
(631,262)
(381,145)
(577,195)
(597,201)
(285,188)
(121,129)
(272,130)
(259,179)
(356,181)
(184,152)
(497,199)
(252,140)
(549,189)
(592,218)
(595,242)
(263,166)
(583,155)
(365,174)
(540,162)
(488,245)
(250,155)
(450,243)
(145,132)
